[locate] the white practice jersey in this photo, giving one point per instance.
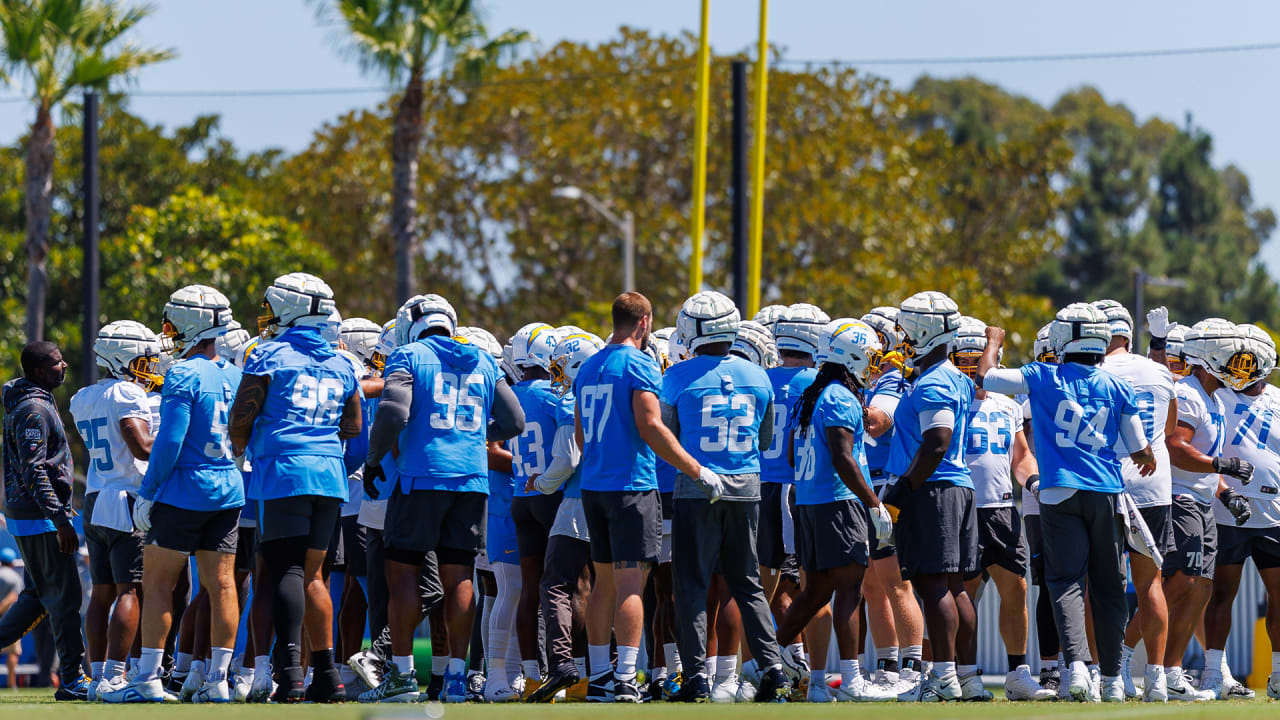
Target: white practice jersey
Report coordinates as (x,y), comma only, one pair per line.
(1253,434)
(1204,413)
(1153,389)
(1030,506)
(98,410)
(988,451)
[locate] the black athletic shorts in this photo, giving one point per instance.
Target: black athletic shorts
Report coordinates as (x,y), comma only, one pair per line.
(769,546)
(310,518)
(533,517)
(1237,543)
(938,532)
(115,557)
(624,526)
(247,551)
(1159,520)
(1000,540)
(831,535)
(1195,539)
(1035,548)
(189,531)
(436,520)
(355,543)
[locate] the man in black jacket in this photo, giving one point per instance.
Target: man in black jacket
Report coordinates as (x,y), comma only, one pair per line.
(37,487)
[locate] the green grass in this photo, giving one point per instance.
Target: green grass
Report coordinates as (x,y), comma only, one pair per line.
(39,705)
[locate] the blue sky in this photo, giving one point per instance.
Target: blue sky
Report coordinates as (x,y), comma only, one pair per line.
(266,44)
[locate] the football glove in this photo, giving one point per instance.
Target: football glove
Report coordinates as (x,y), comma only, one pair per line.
(1237,505)
(1158,322)
(712,483)
(882,522)
(372,476)
(895,496)
(1241,470)
(142,515)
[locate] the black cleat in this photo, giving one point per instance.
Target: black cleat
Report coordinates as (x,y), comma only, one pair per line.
(694,689)
(600,689)
(292,688)
(436,687)
(656,690)
(326,687)
(774,686)
(625,691)
(73,689)
(556,681)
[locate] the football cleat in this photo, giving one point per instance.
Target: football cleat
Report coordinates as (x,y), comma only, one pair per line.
(138,691)
(625,690)
(819,692)
(193,682)
(600,688)
(1273,686)
(1020,686)
(212,692)
(941,689)
(1156,688)
(726,690)
(241,684)
(77,689)
(455,688)
(1179,690)
(1112,690)
(972,690)
(366,667)
(394,688)
(263,686)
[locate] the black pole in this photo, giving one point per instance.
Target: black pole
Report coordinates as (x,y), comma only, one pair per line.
(739,184)
(92,271)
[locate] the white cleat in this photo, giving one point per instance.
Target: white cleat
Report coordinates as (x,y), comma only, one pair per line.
(909,690)
(746,691)
(972,690)
(1020,686)
(212,692)
(726,691)
(1156,688)
(367,668)
(1095,684)
(1126,676)
(262,687)
(241,684)
(1233,689)
(941,689)
(92,694)
(194,681)
(138,691)
(819,693)
(1273,686)
(1112,690)
(496,692)
(1180,690)
(1078,688)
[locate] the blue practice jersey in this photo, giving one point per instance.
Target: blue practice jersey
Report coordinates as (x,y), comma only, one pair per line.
(614,457)
(443,446)
(191,464)
(531,449)
(501,490)
(941,387)
(1076,411)
(887,392)
(295,443)
(816,478)
(564,418)
(720,402)
(775,466)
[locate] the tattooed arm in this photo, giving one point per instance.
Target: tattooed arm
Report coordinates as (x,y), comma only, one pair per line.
(244,412)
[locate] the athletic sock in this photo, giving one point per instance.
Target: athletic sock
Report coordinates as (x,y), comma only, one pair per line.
(862,661)
(965,671)
(1050,664)
(580,664)
(1015,661)
(403,663)
(112,669)
(1275,662)
(726,665)
(96,670)
(817,677)
(849,672)
(627,655)
(887,659)
(797,650)
(149,663)
(531,669)
(322,660)
(220,663)
(673,656)
(709,666)
(497,669)
(1213,661)
(261,664)
(943,669)
(457,666)
(601,664)
(182,663)
(197,666)
(438,664)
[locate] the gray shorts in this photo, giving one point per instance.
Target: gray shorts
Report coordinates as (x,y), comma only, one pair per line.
(1195,539)
(769,545)
(1159,520)
(938,532)
(451,523)
(115,557)
(1236,543)
(624,526)
(1000,540)
(831,535)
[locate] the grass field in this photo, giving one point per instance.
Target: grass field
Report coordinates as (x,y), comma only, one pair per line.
(39,705)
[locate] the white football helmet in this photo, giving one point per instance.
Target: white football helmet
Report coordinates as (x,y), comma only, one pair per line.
(755,344)
(163,363)
(532,344)
(1211,343)
(677,350)
(1255,362)
(295,300)
(421,313)
(230,345)
(884,320)
(360,335)
(1174,356)
(1118,317)
(1079,328)
(567,359)
(481,338)
(508,364)
(707,318)
(567,330)
(927,320)
(768,315)
(660,345)
(1042,348)
(798,327)
(130,351)
(386,345)
(194,314)
(968,346)
(855,345)
(331,328)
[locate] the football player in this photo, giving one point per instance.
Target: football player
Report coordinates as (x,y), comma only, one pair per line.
(665,681)
(298,401)
(191,495)
(1251,405)
(834,503)
(1154,393)
(1196,452)
(997,454)
(1081,414)
(720,408)
(768,315)
(441,400)
(937,532)
(113,417)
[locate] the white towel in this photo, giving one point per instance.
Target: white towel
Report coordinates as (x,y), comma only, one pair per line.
(111,510)
(1136,530)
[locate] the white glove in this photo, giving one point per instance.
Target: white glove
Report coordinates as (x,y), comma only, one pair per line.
(882,523)
(713,483)
(1158,322)
(142,515)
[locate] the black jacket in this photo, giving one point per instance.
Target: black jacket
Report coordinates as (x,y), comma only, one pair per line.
(37,459)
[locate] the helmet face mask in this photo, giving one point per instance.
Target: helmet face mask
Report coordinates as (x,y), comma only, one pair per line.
(296,299)
(568,357)
(967,348)
(1243,369)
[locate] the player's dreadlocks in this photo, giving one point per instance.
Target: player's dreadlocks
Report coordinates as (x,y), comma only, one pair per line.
(829,373)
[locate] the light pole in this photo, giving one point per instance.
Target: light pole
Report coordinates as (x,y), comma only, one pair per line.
(1140,282)
(625,223)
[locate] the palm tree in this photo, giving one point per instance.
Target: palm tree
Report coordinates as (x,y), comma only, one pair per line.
(397,39)
(54,47)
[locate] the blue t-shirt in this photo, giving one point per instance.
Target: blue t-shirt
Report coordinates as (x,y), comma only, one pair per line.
(191,465)
(295,443)
(720,402)
(501,487)
(443,446)
(614,457)
(1076,412)
(891,385)
(531,450)
(816,479)
(941,387)
(666,474)
(775,467)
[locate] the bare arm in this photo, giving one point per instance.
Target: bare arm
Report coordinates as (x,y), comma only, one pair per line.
(1023,462)
(499,457)
(933,448)
(1182,454)
(648,418)
(250,398)
(137,436)
(840,440)
(990,359)
(352,421)
(878,422)
(372,387)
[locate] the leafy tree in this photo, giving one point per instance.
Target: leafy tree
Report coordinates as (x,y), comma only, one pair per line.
(398,39)
(57,46)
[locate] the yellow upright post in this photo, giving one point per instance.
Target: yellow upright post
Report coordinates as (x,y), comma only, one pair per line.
(700,152)
(754,250)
